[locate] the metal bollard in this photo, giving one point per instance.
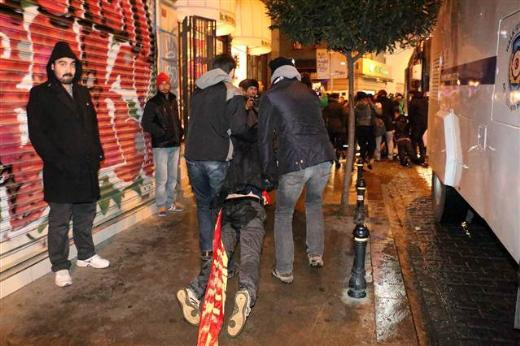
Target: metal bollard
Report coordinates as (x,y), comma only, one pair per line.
(359,165)
(357,283)
(359,217)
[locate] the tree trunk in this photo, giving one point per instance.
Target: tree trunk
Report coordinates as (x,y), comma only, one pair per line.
(351,133)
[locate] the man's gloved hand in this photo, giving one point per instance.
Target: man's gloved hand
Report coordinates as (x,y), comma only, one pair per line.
(269,183)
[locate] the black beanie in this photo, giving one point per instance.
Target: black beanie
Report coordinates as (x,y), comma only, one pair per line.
(278,62)
(61,50)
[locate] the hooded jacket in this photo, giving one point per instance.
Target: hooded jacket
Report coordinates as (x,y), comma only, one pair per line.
(216,108)
(63,130)
(290,120)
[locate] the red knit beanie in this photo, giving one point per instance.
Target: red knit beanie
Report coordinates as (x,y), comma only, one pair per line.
(162,77)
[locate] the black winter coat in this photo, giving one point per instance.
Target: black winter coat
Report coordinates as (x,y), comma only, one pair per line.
(245,170)
(290,112)
(161,121)
(418,113)
(388,112)
(335,118)
(64,132)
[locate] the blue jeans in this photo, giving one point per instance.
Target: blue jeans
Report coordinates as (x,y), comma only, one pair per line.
(206,179)
(166,161)
(290,187)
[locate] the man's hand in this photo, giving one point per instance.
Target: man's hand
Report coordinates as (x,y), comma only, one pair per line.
(250,103)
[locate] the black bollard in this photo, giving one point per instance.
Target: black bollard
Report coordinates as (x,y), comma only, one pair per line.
(357,283)
(359,217)
(359,165)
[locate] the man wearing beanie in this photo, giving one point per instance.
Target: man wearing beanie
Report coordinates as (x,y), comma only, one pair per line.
(290,120)
(63,129)
(161,121)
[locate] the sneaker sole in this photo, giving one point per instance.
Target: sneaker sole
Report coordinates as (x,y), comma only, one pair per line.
(84,264)
(239,318)
(285,281)
(187,310)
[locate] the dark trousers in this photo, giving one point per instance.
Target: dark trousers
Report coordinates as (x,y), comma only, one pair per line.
(60,214)
(242,222)
(366,141)
(417,140)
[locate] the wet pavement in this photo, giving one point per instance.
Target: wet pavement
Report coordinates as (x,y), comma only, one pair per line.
(409,299)
(462,290)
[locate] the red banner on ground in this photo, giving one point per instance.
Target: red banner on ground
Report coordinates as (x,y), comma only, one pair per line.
(212,316)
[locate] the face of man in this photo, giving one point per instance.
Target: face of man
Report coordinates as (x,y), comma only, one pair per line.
(165,87)
(64,69)
(252,91)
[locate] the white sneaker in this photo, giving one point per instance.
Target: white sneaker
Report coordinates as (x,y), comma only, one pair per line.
(63,278)
(94,262)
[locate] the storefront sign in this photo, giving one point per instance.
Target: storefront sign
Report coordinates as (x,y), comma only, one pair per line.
(373,68)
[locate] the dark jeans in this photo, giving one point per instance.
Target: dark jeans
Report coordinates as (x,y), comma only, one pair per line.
(60,214)
(366,141)
(206,179)
(242,221)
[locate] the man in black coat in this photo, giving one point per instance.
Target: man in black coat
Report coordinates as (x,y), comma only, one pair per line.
(64,132)
(161,120)
(290,115)
(418,115)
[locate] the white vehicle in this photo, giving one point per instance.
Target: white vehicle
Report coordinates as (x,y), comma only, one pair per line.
(474,115)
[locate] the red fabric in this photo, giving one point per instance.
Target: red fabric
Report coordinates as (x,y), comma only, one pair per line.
(212,316)
(267,198)
(162,77)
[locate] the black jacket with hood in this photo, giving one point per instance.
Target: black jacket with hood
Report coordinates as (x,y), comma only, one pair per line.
(161,121)
(290,120)
(64,132)
(215,106)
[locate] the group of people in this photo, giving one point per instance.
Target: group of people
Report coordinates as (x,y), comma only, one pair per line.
(382,126)
(236,148)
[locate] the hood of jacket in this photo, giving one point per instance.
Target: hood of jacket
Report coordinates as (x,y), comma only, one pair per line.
(286,71)
(54,56)
(212,77)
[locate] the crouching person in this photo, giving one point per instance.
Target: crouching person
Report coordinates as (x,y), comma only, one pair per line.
(243,218)
(407,154)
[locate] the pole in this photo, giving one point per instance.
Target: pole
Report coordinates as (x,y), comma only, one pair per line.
(357,283)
